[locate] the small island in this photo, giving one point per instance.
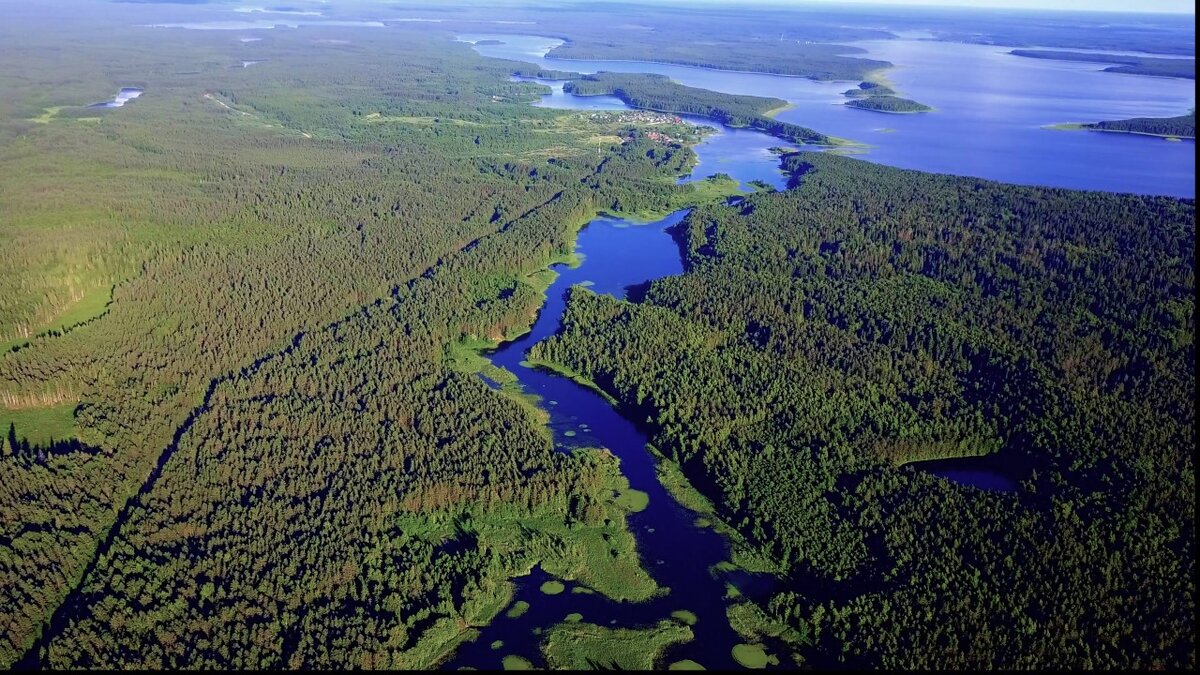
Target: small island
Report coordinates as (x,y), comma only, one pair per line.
(888,104)
(879,97)
(867,89)
(489,43)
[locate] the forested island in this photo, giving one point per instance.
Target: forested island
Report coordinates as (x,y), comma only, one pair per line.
(867,89)
(888,104)
(659,93)
(881,98)
(1132,65)
(871,317)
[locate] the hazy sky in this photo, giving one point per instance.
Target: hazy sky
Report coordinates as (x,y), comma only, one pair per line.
(1174,6)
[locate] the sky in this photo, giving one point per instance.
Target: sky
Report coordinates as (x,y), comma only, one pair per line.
(1129,6)
(1171,6)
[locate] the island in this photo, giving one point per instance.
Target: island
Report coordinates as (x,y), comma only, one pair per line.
(878,97)
(866,89)
(888,104)
(1122,63)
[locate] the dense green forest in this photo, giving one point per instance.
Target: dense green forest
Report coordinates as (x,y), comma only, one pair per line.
(241,424)
(710,35)
(526,70)
(1133,65)
(826,337)
(263,454)
(866,89)
(1183,126)
(814,61)
(891,104)
(660,93)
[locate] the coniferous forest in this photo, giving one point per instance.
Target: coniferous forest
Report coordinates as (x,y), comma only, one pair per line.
(827,339)
(248,417)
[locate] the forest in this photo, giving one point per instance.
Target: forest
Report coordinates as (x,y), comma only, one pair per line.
(1182,126)
(890,104)
(242,423)
(660,93)
(256,450)
(1131,65)
(827,339)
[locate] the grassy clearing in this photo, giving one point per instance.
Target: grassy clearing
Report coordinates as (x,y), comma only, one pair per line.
(429,121)
(90,306)
(749,621)
(632,500)
(571,375)
(513,662)
(40,425)
(580,646)
(600,553)
(437,643)
(685,617)
(677,485)
(466,356)
(518,608)
(47,114)
(753,656)
(713,189)
(775,111)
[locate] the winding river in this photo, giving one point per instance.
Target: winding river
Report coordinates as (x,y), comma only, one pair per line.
(989,125)
(676,550)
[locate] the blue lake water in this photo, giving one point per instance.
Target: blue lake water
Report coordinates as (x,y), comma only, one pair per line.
(990,472)
(124,96)
(617,254)
(742,153)
(677,552)
(991,110)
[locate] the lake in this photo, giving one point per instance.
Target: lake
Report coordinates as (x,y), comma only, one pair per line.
(124,96)
(742,153)
(677,552)
(990,472)
(673,548)
(991,112)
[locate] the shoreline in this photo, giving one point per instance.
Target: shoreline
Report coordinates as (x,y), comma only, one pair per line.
(775,111)
(546,55)
(1079,126)
(888,112)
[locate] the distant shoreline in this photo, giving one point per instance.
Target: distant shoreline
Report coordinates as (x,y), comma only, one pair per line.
(1076,126)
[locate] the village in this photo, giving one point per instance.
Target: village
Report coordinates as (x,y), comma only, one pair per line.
(644,118)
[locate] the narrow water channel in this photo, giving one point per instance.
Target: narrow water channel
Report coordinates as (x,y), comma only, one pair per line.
(676,551)
(673,548)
